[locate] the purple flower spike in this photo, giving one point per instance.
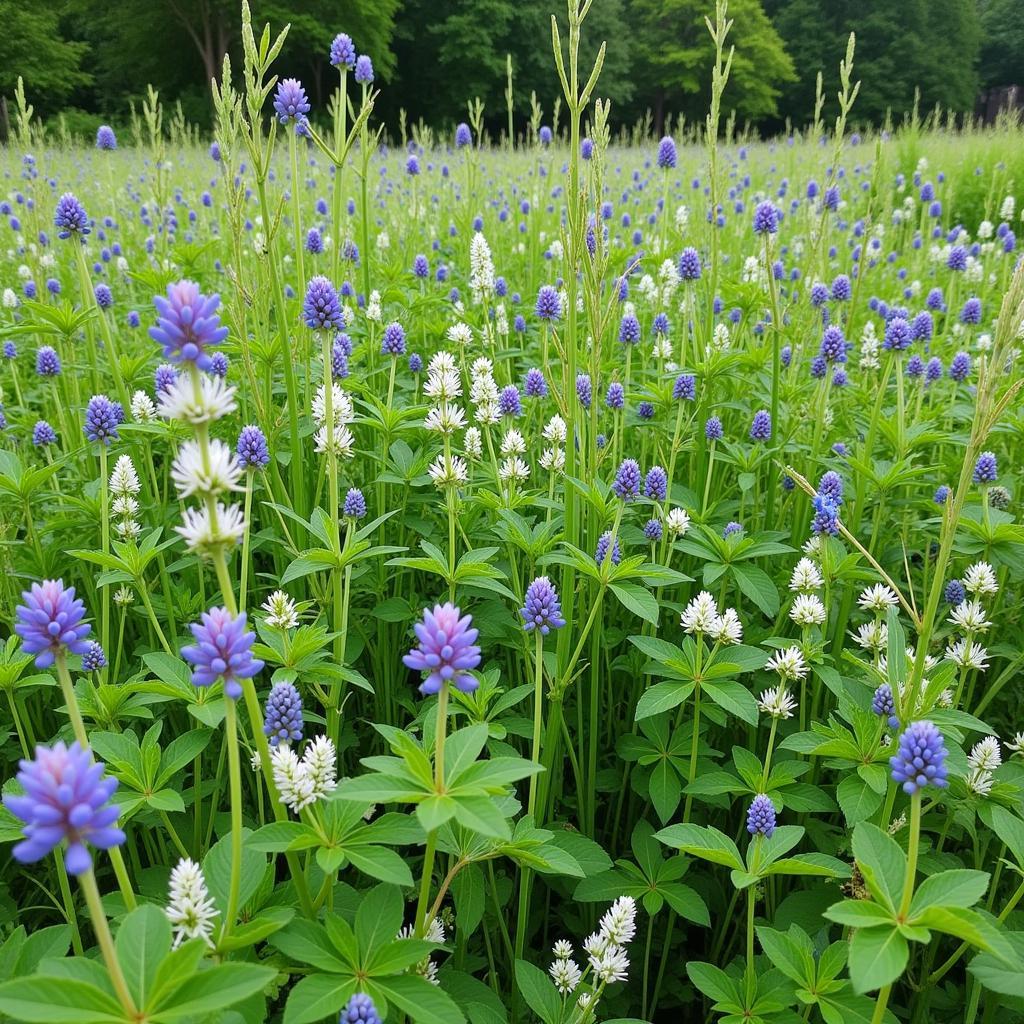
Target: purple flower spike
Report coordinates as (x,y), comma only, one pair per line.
(71,217)
(359,1010)
(187,324)
(223,650)
(282,722)
(627,480)
(50,622)
(65,798)
(542,609)
(290,102)
(920,759)
(321,309)
(446,649)
(761,816)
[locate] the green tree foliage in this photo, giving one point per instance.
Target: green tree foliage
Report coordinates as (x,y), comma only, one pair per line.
(673,56)
(927,45)
(34,45)
(1002,48)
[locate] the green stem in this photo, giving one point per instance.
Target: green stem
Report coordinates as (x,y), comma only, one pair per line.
(106,942)
(235,775)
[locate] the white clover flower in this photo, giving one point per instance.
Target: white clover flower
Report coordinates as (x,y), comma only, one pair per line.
(203,533)
(682,218)
(190,909)
(319,761)
(618,926)
(566,975)
(124,506)
(970,617)
(123,597)
(487,414)
(342,407)
(10,299)
(124,480)
(448,471)
(610,965)
(555,430)
(482,366)
(677,522)
(869,348)
(514,469)
(472,443)
(1016,745)
(807,610)
(383,241)
(481,267)
(872,636)
(1006,209)
(662,347)
(980,579)
(562,949)
(979,781)
(812,546)
(789,664)
(700,615)
(374,312)
(985,754)
(294,785)
(777,702)
(445,419)
(281,610)
(513,443)
(443,384)
(142,408)
(878,598)
(214,472)
(553,460)
(806,576)
(727,628)
(342,443)
(968,654)
(212,400)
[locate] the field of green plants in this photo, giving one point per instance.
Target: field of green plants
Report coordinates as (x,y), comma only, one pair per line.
(565,581)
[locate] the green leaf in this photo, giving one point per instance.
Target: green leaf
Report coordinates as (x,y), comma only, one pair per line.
(379,918)
(733,697)
(214,989)
(482,815)
(423,1002)
(662,697)
(878,957)
(704,842)
(714,983)
(539,992)
(143,940)
(308,944)
(665,789)
(217,869)
(860,914)
(857,799)
(957,888)
(381,863)
(638,600)
(998,976)
(791,953)
(756,584)
(40,1000)
(881,862)
(317,997)
(968,925)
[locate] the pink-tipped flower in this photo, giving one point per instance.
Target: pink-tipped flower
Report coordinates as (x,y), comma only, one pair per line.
(65,798)
(50,622)
(446,649)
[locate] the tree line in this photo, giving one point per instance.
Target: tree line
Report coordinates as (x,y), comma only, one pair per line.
(89,59)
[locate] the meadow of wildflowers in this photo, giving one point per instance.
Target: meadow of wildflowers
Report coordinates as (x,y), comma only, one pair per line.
(464,582)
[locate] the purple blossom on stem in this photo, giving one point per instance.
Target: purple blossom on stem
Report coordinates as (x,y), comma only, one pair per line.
(541,608)
(187,324)
(49,622)
(446,649)
(920,758)
(223,650)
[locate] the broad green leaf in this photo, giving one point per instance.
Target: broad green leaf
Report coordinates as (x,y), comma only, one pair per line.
(704,842)
(638,600)
(539,992)
(878,957)
(213,989)
(379,918)
(423,1002)
(662,697)
(143,940)
(882,863)
(40,1000)
(733,697)
(957,888)
(318,997)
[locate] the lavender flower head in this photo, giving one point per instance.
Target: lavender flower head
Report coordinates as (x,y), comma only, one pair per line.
(359,1010)
(105,138)
(290,102)
(761,816)
(321,309)
(535,386)
(43,434)
(364,70)
(71,217)
(761,427)
(656,484)
(883,705)
(985,469)
(667,154)
(252,449)
(101,420)
(49,622)
(187,324)
(685,388)
(94,658)
(343,51)
(549,305)
(393,341)
(766,219)
(463,135)
(920,758)
(47,361)
(689,264)
(354,506)
(603,544)
(66,799)
(282,720)
(713,430)
(509,402)
(223,650)
(542,609)
(629,330)
(627,480)
(446,649)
